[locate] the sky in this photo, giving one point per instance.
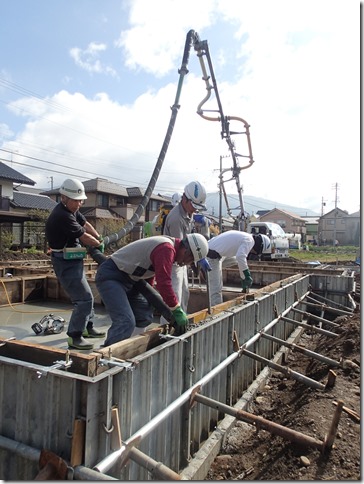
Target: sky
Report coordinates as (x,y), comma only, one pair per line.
(87,86)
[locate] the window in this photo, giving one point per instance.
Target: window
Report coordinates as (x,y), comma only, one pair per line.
(103,200)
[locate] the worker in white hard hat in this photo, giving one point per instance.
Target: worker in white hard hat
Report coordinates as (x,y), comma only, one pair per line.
(66,228)
(150,259)
(229,248)
(178,224)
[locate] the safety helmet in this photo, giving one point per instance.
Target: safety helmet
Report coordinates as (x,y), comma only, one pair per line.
(262,243)
(198,245)
(49,325)
(266,242)
(73,189)
(196,192)
(176,197)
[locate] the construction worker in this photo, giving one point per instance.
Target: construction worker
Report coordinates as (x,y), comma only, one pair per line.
(65,228)
(178,224)
(227,249)
(149,259)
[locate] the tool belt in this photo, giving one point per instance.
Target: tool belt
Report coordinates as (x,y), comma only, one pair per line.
(70,253)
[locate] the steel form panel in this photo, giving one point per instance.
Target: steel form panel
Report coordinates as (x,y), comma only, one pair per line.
(160,376)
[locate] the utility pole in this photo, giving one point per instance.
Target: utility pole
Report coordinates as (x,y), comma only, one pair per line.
(51,178)
(335,214)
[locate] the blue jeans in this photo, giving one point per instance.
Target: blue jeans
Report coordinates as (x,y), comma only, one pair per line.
(71,276)
(127,307)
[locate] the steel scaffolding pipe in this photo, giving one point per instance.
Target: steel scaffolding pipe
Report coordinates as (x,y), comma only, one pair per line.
(325,307)
(309,326)
(286,371)
(316,318)
(261,423)
(302,350)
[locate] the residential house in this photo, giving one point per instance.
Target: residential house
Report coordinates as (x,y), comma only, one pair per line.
(17,207)
(312,223)
(338,225)
(107,200)
(290,222)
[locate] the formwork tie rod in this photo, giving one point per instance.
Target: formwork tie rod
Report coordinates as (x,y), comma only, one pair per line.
(262,423)
(287,371)
(309,326)
(300,349)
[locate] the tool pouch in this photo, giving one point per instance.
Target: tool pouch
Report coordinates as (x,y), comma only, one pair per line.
(70,253)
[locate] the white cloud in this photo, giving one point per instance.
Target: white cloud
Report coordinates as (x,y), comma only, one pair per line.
(88,60)
(289,69)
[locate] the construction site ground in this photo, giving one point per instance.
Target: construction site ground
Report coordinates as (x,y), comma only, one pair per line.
(251,454)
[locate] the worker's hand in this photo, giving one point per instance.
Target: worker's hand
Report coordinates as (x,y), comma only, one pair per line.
(204,265)
(248,281)
(101,247)
(181,320)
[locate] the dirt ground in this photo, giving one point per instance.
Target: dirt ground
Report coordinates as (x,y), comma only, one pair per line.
(259,455)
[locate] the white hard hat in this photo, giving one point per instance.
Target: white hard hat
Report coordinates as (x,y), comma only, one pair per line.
(73,189)
(176,197)
(198,245)
(265,242)
(196,192)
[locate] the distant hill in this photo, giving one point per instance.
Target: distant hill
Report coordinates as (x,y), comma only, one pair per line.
(251,204)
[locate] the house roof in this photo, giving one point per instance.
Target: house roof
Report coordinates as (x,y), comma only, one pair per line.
(285,212)
(32,200)
(8,173)
(98,212)
(102,185)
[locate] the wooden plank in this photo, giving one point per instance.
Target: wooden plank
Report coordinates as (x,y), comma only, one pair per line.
(134,346)
(47,356)
(78,442)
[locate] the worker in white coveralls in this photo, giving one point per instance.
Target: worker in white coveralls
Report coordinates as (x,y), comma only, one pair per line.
(227,249)
(178,224)
(150,259)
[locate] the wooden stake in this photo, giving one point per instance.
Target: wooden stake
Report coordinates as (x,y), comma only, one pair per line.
(78,442)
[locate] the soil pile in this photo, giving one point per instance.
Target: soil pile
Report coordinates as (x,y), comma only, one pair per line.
(259,455)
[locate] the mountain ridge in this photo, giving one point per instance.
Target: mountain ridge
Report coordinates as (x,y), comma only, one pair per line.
(252,205)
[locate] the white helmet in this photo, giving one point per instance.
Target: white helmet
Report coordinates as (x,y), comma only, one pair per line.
(176,197)
(196,192)
(262,243)
(73,189)
(198,245)
(265,241)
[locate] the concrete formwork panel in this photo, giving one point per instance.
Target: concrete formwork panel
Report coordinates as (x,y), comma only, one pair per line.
(151,393)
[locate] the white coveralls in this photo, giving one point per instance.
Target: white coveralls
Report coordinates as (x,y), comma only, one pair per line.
(178,224)
(233,247)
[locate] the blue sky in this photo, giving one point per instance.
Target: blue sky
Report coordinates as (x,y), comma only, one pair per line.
(86,88)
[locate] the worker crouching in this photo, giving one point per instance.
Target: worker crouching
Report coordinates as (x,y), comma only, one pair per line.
(150,259)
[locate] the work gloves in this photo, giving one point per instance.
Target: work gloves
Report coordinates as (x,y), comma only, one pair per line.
(101,247)
(248,281)
(181,321)
(204,265)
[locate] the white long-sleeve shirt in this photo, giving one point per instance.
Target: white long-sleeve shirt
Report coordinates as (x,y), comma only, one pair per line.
(234,243)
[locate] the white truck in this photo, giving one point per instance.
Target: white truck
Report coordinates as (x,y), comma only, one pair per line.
(279,239)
